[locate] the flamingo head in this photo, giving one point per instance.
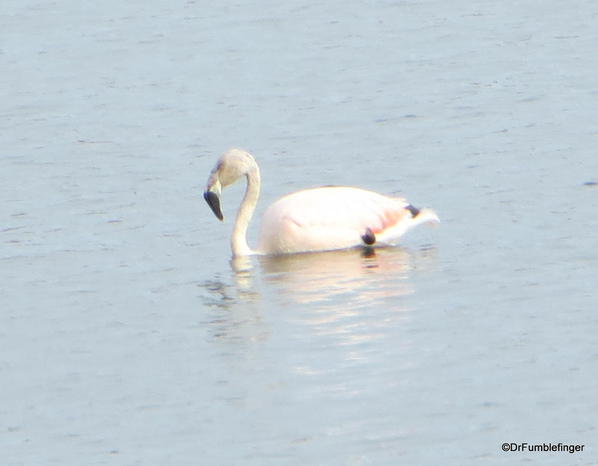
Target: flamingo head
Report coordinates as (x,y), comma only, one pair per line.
(233,164)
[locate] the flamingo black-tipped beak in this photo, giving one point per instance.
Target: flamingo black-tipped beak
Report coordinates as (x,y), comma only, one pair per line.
(214,202)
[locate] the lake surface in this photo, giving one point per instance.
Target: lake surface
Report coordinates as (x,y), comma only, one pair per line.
(129,336)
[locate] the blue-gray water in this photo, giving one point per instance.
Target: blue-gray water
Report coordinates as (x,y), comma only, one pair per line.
(127,335)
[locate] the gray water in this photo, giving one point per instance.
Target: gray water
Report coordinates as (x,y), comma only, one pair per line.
(129,337)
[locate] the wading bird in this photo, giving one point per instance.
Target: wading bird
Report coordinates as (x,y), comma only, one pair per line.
(316,219)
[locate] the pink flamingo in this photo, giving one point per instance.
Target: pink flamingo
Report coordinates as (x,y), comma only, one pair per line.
(317,219)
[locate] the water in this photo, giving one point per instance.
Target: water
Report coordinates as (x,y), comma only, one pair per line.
(129,337)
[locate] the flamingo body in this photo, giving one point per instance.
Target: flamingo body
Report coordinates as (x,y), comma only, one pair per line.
(317,219)
(329,218)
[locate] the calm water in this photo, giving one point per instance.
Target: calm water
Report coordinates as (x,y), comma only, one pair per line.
(129,337)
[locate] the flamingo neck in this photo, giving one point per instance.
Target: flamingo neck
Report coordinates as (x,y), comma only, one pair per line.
(252,193)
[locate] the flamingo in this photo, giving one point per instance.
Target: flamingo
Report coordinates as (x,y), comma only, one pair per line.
(315,219)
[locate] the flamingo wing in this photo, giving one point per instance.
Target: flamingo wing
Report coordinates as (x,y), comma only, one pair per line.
(332,218)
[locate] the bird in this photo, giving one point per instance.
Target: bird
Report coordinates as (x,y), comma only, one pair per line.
(310,220)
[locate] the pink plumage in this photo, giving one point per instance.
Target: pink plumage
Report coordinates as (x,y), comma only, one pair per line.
(318,219)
